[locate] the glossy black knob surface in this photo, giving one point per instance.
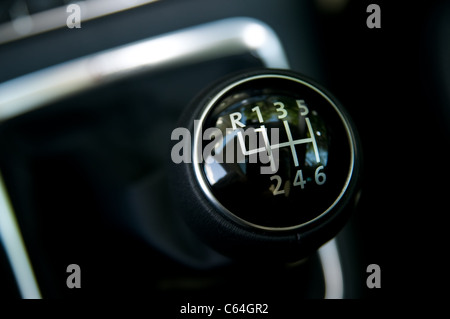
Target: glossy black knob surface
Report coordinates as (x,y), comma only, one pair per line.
(274,156)
(282,153)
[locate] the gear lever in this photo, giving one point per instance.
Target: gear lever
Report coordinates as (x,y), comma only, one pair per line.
(275,166)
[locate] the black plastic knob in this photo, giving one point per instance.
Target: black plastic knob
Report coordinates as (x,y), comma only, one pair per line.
(275,165)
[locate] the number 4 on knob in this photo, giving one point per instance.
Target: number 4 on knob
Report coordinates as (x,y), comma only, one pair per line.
(319,177)
(299,181)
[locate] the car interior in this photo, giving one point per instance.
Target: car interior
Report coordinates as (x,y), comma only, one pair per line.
(92,91)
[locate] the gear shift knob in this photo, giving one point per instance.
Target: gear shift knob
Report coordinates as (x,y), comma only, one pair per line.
(275,165)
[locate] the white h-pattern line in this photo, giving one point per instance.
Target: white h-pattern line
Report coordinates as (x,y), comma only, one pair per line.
(290,143)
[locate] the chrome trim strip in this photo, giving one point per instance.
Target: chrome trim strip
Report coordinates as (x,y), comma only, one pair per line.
(205,42)
(332,270)
(14,247)
(28,25)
